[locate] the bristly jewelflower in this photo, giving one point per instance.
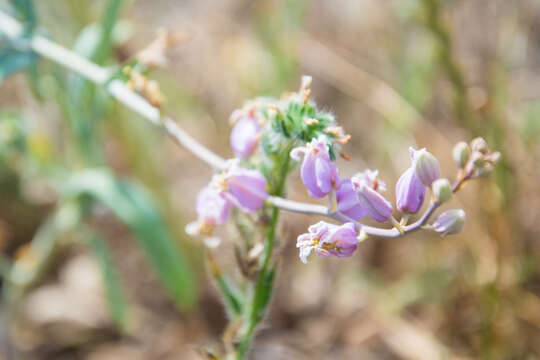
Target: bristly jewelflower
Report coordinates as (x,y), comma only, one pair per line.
(245,134)
(449,222)
(212,210)
(410,191)
(427,166)
(366,186)
(347,201)
(244,188)
(328,240)
(319,174)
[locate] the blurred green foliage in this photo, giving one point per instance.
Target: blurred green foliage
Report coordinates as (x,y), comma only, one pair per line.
(77,182)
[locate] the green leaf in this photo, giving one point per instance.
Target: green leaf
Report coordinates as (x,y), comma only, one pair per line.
(133,206)
(113,287)
(12,60)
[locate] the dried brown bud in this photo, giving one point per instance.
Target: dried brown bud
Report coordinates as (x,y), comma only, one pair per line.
(157,53)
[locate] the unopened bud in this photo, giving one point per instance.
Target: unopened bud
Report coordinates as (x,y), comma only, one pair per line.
(450,222)
(461,154)
(427,166)
(442,190)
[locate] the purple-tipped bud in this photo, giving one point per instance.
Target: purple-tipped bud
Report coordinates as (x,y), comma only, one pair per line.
(244,188)
(410,192)
(244,135)
(442,190)
(319,174)
(328,240)
(347,201)
(365,185)
(427,166)
(449,222)
(212,210)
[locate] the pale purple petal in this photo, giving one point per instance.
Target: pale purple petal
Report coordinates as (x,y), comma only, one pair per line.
(319,174)
(247,190)
(410,192)
(376,206)
(245,136)
(450,222)
(309,178)
(347,201)
(212,207)
(323,175)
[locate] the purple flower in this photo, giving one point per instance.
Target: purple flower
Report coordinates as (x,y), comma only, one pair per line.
(449,222)
(319,174)
(347,201)
(212,210)
(410,192)
(244,135)
(244,188)
(366,185)
(328,240)
(427,166)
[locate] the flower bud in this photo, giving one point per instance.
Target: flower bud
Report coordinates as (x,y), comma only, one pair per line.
(449,222)
(347,201)
(427,166)
(461,153)
(319,174)
(376,206)
(245,136)
(212,209)
(410,192)
(442,190)
(328,240)
(244,188)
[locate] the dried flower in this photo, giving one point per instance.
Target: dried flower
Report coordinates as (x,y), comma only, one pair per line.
(410,192)
(319,174)
(449,222)
(157,53)
(366,185)
(427,166)
(245,135)
(482,160)
(347,201)
(244,188)
(328,240)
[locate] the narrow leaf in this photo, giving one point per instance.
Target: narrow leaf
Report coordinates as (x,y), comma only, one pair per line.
(113,287)
(133,206)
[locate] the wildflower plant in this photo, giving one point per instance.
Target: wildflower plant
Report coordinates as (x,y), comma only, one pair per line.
(270,139)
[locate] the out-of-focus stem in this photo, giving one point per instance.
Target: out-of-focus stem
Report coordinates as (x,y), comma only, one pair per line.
(434,23)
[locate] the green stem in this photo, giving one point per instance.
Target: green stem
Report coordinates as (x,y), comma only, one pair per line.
(265,280)
(435,24)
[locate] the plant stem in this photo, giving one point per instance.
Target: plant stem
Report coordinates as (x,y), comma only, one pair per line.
(265,279)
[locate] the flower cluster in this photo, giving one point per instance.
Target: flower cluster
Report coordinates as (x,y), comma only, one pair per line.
(242,188)
(361,194)
(267,133)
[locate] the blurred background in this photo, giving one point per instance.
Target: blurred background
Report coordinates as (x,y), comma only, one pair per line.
(94,260)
